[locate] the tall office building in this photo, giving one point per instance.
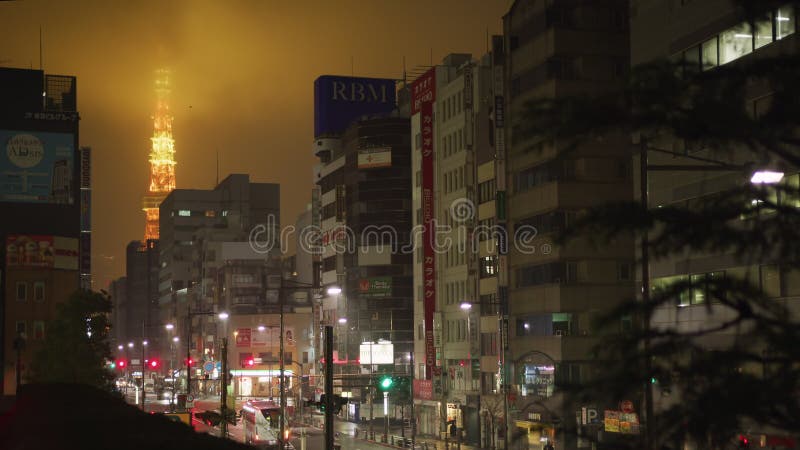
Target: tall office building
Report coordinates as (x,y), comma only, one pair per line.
(44,213)
(557,49)
(364,178)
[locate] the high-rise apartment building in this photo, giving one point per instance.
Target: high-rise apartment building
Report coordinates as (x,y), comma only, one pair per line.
(552,50)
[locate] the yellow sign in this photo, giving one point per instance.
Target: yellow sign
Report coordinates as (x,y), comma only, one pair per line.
(184,417)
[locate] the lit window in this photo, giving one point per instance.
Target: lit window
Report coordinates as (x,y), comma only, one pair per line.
(763,31)
(211,213)
(784,21)
(710,54)
(38,291)
(224,213)
(735,43)
(184,213)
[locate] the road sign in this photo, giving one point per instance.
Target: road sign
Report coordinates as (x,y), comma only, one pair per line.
(219,365)
(208,367)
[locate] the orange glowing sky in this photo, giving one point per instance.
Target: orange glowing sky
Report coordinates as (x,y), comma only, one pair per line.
(243,76)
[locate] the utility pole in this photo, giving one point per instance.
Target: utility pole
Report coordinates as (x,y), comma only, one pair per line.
(328,387)
(223,407)
(188,351)
(283,367)
(645,244)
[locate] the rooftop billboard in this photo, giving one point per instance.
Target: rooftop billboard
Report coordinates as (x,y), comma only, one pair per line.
(340,100)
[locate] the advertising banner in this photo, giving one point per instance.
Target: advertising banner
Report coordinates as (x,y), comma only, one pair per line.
(373,158)
(52,252)
(375,287)
(380,353)
(36,167)
(423,389)
(423,94)
(243,337)
(338,101)
(86,167)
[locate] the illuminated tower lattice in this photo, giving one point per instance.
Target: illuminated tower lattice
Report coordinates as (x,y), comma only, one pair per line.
(162,157)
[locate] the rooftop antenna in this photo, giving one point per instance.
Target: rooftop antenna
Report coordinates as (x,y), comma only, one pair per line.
(431,56)
(404,70)
(352,65)
(487,39)
(40,47)
(217,182)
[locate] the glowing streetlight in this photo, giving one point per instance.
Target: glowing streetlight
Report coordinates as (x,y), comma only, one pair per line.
(223,315)
(334,290)
(766,177)
(119,347)
(466,306)
(261,328)
(342,320)
(169,326)
(175,339)
(130,344)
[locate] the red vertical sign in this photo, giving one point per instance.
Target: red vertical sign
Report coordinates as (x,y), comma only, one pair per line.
(422,98)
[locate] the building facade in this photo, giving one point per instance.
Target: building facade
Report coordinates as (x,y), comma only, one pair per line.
(552,50)
(460,174)
(365,220)
(43,210)
(700,36)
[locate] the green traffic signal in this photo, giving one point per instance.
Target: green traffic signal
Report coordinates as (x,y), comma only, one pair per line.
(386,382)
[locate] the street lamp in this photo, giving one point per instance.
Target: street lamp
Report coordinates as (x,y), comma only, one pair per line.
(144,367)
(766,177)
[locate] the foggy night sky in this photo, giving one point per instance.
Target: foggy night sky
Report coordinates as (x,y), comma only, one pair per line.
(242,79)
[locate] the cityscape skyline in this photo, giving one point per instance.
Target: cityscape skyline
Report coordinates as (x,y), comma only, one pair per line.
(259,120)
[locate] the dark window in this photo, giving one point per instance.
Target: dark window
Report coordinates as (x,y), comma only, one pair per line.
(22,291)
(545,274)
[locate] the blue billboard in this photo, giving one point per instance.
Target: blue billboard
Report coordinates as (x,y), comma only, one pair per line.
(36,167)
(340,100)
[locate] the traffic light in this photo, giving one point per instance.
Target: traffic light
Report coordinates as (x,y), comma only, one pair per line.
(153,364)
(385,383)
(744,442)
(250,362)
(189,362)
(322,402)
(121,364)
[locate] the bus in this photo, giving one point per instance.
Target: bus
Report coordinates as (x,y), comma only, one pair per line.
(261,423)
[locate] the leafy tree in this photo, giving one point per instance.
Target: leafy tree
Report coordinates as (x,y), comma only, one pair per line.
(739,371)
(76,346)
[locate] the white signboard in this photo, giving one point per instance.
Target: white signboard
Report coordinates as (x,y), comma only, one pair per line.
(374,158)
(381,353)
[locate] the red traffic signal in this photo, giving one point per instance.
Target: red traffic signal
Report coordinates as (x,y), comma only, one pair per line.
(121,364)
(250,362)
(189,362)
(153,363)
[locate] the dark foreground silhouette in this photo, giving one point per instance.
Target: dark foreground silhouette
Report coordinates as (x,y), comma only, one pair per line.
(73,416)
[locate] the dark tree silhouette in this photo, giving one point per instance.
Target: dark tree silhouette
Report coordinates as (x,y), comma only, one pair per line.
(76,346)
(738,372)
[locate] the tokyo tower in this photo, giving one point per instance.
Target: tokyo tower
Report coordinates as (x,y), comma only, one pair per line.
(162,157)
